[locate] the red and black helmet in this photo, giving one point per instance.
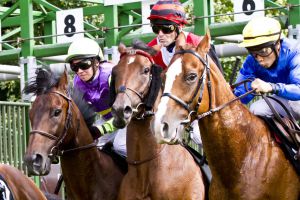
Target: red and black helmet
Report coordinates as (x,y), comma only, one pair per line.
(170,10)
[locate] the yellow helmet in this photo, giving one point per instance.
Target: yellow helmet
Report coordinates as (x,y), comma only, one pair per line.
(84,48)
(259,31)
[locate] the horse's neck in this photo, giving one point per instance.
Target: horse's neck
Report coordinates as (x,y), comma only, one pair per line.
(89,166)
(226,133)
(141,142)
(85,158)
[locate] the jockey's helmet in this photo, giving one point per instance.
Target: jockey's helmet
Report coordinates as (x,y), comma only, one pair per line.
(261,31)
(84,48)
(168,10)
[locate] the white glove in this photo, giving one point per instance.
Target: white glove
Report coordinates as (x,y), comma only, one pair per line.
(261,86)
(195,134)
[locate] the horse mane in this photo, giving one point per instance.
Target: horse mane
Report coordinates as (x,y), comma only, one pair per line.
(46,79)
(138,44)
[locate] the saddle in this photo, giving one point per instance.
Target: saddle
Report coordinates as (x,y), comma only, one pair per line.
(286,132)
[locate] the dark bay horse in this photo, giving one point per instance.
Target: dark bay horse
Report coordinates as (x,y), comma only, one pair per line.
(245,161)
(59,129)
(15,184)
(155,171)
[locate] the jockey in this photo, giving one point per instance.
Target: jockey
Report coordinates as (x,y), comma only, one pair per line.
(274,66)
(167,20)
(92,79)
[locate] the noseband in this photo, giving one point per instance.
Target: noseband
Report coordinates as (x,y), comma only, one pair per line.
(55,150)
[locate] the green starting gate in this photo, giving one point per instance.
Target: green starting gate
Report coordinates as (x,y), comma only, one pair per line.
(14,127)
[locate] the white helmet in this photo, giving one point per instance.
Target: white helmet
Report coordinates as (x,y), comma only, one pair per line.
(84,48)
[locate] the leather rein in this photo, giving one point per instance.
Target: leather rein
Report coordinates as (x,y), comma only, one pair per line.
(55,150)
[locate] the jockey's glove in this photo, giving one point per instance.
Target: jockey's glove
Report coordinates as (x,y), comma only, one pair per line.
(99,130)
(261,86)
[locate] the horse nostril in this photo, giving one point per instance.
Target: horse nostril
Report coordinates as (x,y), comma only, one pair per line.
(127,112)
(37,160)
(165,129)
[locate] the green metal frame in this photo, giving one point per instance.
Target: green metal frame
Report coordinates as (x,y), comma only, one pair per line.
(14,127)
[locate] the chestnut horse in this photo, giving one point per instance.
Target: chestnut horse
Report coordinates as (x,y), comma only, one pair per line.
(245,161)
(59,129)
(16,185)
(155,171)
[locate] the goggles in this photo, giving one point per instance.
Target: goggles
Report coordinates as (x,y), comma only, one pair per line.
(82,64)
(264,52)
(166,29)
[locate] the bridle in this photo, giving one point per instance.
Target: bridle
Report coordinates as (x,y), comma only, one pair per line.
(200,88)
(140,115)
(123,89)
(55,150)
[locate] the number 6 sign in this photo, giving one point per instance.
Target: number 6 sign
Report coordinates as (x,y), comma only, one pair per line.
(67,23)
(248,6)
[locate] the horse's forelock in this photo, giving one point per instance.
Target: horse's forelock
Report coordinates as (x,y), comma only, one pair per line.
(138,44)
(44,80)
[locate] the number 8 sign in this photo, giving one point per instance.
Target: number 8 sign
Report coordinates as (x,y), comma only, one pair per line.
(68,22)
(248,6)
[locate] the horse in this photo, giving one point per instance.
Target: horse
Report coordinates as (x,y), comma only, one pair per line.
(155,171)
(245,161)
(16,185)
(59,129)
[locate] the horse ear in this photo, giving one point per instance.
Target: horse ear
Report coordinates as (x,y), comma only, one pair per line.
(204,44)
(180,41)
(122,48)
(63,81)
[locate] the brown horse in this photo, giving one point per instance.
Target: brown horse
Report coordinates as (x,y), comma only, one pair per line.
(59,129)
(155,171)
(19,186)
(245,161)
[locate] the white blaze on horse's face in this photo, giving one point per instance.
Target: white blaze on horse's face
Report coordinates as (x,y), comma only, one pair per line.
(162,136)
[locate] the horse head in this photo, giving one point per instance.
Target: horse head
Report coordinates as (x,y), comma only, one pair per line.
(54,121)
(184,85)
(135,83)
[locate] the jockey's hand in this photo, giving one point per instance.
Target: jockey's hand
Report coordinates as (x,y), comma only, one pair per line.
(261,86)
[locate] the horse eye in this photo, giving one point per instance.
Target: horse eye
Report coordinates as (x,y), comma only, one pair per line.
(191,77)
(146,70)
(57,112)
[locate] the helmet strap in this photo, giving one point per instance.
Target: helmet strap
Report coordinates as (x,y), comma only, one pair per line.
(172,45)
(95,68)
(273,46)
(178,29)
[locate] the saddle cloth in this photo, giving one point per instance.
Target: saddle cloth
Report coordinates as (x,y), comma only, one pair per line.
(5,192)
